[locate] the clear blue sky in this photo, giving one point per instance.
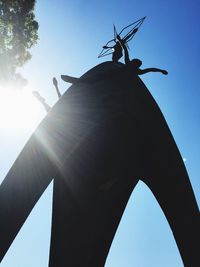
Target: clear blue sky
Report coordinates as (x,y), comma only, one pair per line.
(71,35)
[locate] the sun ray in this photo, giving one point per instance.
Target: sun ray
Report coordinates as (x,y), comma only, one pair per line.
(19,110)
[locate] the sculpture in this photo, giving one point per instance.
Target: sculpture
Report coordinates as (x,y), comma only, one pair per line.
(104,134)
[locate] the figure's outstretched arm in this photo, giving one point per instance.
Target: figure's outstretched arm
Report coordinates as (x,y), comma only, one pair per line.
(42,101)
(106,47)
(123,44)
(140,72)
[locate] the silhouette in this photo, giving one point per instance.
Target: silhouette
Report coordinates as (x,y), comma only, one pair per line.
(69,79)
(55,83)
(117,54)
(117,46)
(104,134)
(41,100)
(132,65)
(135,64)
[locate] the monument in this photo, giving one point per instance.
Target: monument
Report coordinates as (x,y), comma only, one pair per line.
(104,135)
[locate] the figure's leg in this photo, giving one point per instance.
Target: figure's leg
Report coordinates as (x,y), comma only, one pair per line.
(90,196)
(167,178)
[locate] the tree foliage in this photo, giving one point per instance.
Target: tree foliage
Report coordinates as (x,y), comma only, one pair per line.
(18,32)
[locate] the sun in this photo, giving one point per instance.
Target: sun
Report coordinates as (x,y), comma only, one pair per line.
(19,110)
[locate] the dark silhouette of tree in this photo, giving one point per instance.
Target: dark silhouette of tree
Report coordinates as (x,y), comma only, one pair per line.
(18,32)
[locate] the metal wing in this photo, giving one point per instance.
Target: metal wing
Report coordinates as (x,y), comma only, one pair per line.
(107,50)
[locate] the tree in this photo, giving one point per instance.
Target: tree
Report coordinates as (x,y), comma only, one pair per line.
(18,33)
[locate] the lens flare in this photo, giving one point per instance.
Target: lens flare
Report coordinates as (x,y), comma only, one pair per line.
(19,110)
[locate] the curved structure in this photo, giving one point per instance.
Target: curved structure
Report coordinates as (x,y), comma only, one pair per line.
(103,135)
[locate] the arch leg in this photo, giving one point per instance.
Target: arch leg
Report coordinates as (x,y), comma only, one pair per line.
(168,180)
(89,198)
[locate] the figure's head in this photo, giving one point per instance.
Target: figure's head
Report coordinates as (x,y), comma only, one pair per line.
(136,62)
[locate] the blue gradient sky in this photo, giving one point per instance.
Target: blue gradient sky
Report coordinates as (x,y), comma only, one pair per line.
(71,35)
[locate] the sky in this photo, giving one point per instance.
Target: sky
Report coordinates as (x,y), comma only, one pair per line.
(71,35)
